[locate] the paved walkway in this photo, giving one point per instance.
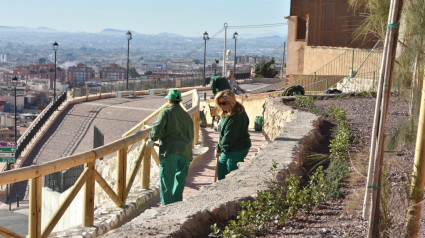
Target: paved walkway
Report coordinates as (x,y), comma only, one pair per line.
(202,171)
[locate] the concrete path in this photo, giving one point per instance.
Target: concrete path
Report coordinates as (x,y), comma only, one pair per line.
(202,171)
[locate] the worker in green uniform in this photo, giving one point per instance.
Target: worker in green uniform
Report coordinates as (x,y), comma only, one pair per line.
(234,139)
(174,130)
(219,83)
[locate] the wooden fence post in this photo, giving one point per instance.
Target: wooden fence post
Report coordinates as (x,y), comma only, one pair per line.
(146,168)
(34,220)
(121,173)
(87,92)
(88,212)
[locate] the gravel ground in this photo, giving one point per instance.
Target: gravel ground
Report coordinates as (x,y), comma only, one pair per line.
(343,218)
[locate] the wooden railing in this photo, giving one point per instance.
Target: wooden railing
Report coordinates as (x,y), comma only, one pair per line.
(90,175)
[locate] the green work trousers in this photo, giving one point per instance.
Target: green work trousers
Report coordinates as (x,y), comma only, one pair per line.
(229,162)
(173,171)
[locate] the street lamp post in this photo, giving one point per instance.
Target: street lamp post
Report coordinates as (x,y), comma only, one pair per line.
(235,35)
(15,84)
(206,37)
(55,48)
(129,37)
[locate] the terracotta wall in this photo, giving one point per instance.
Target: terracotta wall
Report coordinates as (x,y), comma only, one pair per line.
(295,52)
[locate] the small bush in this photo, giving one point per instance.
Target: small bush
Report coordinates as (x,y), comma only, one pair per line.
(304,101)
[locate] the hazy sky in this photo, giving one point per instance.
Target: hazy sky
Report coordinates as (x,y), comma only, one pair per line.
(184,17)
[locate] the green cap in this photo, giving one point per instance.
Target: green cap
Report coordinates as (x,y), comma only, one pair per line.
(174,95)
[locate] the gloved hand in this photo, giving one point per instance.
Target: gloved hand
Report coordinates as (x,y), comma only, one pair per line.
(149,143)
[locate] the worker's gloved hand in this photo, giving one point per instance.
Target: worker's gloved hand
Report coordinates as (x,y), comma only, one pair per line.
(149,143)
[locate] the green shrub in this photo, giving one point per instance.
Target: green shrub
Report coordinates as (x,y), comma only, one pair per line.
(304,101)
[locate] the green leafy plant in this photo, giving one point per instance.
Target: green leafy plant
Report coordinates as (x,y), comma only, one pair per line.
(265,69)
(304,101)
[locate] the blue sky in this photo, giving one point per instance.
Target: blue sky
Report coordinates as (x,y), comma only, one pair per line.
(184,17)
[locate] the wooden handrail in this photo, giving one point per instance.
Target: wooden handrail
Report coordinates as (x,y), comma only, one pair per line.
(13,176)
(144,121)
(8,233)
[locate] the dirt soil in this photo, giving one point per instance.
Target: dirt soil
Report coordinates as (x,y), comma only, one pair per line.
(343,218)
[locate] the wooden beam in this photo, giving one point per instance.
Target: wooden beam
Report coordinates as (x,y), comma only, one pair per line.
(155,157)
(88,211)
(146,168)
(65,204)
(192,92)
(121,173)
(108,190)
(140,124)
(136,168)
(418,181)
(34,219)
(4,232)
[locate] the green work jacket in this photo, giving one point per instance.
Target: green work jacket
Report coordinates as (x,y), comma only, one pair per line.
(219,83)
(233,133)
(174,130)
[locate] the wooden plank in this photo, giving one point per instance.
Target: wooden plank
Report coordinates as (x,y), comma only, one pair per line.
(65,204)
(121,173)
(108,190)
(88,211)
(136,168)
(34,219)
(140,124)
(155,157)
(4,232)
(146,168)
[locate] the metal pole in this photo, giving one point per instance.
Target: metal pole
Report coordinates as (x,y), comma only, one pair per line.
(234,64)
(54,83)
(283,60)
(205,53)
(9,164)
(128,60)
(224,51)
(15,123)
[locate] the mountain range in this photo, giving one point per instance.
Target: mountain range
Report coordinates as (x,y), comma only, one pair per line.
(113,41)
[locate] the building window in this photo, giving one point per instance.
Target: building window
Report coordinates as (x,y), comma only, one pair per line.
(301,28)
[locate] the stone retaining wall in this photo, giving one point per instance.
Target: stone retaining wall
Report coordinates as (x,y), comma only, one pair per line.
(219,201)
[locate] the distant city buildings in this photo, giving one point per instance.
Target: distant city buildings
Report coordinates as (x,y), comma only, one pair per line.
(145,65)
(113,71)
(250,59)
(78,75)
(3,58)
(39,71)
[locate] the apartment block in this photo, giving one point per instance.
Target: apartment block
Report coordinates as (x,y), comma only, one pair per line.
(78,75)
(113,71)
